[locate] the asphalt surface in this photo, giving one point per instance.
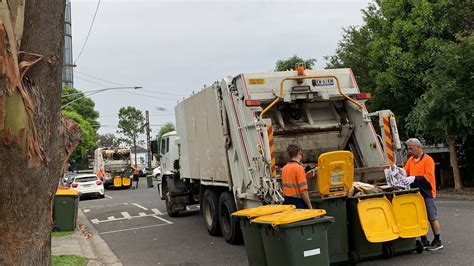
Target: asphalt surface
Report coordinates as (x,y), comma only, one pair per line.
(135,225)
(155,238)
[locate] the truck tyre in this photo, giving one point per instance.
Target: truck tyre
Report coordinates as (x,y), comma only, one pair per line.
(169,208)
(211,212)
(230,226)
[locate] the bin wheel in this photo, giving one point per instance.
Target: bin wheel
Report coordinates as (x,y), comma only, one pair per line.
(419,247)
(387,250)
(210,211)
(354,257)
(230,226)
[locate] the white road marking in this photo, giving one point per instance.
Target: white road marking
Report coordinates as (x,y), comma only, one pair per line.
(130,229)
(125,203)
(140,215)
(140,206)
(162,219)
(108,196)
(87,210)
(156,211)
(126,215)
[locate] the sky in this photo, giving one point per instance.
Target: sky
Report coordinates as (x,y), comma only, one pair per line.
(172,48)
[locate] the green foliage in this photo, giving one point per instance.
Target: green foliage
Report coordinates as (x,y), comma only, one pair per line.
(84,106)
(107,140)
(395,49)
(131,124)
(88,137)
(447,107)
(168,127)
(290,63)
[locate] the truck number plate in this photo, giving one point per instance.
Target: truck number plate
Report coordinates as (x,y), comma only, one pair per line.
(323,82)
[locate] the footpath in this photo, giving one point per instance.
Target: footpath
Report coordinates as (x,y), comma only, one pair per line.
(85,242)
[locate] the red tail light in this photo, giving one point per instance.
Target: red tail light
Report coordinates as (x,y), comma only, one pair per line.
(363,96)
(74,185)
(252,102)
(99,183)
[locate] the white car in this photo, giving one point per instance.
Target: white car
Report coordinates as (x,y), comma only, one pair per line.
(89,184)
(157,172)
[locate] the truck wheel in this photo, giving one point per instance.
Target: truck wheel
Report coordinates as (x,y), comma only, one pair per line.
(211,212)
(230,226)
(169,207)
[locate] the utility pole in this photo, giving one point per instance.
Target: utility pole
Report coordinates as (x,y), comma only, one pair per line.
(148,147)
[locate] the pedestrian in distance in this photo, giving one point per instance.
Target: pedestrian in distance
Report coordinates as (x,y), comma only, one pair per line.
(420,167)
(135,177)
(294,179)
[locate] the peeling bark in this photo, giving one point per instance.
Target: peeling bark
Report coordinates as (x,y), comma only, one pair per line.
(35,141)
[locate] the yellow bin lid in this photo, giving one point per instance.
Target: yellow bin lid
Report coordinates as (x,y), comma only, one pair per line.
(290,216)
(67,192)
(410,214)
(377,219)
(335,172)
(263,210)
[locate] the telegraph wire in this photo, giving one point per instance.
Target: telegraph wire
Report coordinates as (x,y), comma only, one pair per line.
(88,33)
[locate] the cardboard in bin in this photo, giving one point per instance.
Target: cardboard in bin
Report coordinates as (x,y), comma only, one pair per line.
(263,210)
(410,213)
(290,216)
(377,219)
(335,172)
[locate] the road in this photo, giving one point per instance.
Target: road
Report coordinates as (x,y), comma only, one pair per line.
(135,225)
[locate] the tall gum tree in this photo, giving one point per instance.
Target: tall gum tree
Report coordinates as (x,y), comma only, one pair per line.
(35,141)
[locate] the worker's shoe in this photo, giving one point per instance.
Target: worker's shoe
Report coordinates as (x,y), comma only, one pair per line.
(435,245)
(425,243)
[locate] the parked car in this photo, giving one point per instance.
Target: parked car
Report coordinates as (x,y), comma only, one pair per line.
(68,177)
(144,171)
(89,185)
(157,172)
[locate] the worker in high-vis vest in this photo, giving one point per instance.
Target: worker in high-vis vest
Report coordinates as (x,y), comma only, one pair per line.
(295,186)
(420,168)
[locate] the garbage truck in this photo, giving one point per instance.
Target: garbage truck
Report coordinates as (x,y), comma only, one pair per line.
(112,162)
(231,139)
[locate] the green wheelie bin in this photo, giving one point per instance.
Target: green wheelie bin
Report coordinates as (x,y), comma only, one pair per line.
(360,248)
(66,204)
(410,204)
(251,231)
(338,242)
(295,241)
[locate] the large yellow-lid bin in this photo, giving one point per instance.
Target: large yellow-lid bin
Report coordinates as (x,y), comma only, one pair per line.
(251,232)
(335,172)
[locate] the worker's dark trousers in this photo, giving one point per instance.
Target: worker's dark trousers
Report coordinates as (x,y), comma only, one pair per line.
(299,203)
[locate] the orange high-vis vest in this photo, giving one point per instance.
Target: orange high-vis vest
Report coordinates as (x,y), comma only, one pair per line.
(100,174)
(293,179)
(424,167)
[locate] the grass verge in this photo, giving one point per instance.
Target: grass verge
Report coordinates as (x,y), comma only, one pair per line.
(68,260)
(62,233)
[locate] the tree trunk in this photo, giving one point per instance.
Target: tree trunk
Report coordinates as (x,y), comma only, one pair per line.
(34,141)
(454,163)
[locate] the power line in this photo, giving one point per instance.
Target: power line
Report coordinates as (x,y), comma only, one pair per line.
(101,79)
(120,84)
(133,93)
(88,33)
